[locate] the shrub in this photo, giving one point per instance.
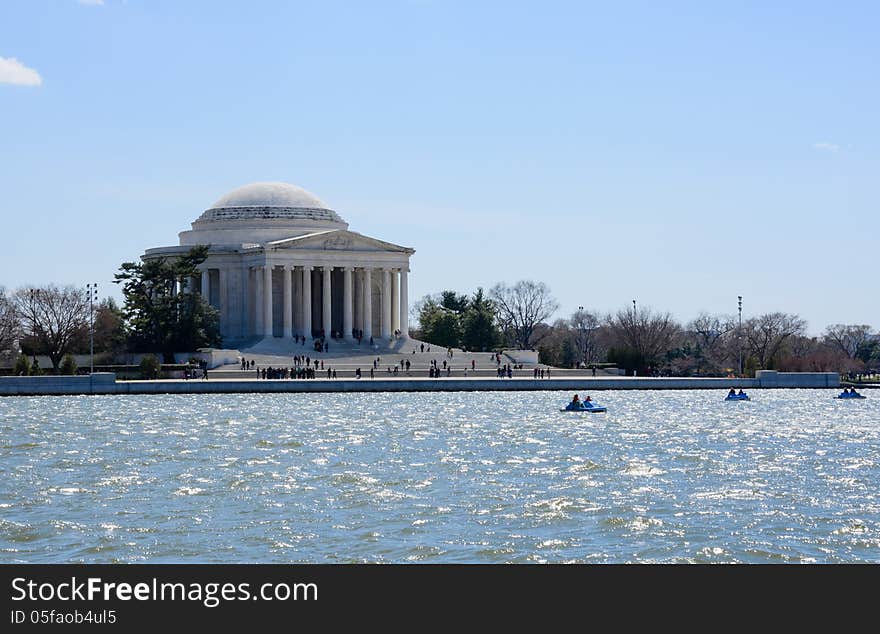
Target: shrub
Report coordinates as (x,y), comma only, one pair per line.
(68,364)
(150,367)
(22,366)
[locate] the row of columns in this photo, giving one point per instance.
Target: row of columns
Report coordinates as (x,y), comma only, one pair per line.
(393,312)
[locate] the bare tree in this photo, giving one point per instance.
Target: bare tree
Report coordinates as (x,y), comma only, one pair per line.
(849,339)
(646,333)
(53,317)
(768,334)
(714,335)
(521,308)
(9,324)
(588,339)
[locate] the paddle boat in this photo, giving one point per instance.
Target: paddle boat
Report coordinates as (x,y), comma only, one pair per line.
(849,393)
(742,396)
(593,409)
(577,405)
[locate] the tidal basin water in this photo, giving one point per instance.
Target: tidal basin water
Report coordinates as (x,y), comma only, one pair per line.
(664,476)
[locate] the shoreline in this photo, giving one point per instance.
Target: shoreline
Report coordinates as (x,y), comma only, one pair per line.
(106,383)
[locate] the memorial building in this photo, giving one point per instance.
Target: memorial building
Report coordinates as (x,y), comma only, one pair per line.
(282,263)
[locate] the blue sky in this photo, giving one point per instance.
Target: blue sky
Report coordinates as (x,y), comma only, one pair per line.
(680,155)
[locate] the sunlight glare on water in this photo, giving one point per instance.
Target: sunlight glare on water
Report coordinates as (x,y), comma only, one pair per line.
(664,476)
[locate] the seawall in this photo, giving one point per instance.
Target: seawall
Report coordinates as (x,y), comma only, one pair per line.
(106,383)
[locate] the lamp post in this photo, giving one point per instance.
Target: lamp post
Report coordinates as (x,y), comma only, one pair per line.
(35,294)
(581,329)
(92,292)
(739,333)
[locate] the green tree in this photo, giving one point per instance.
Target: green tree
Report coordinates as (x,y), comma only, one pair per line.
(22,366)
(68,364)
(454,302)
(439,325)
(568,353)
(479,329)
(626,358)
(150,367)
(109,328)
(159,319)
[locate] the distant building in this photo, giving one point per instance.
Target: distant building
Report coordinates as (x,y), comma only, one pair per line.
(282,263)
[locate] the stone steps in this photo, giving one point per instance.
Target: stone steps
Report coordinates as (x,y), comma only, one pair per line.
(348,371)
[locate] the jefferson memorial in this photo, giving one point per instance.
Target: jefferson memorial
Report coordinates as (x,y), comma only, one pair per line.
(282,263)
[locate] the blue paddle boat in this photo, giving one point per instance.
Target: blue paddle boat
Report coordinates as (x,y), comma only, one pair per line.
(593,409)
(583,406)
(847,395)
(742,396)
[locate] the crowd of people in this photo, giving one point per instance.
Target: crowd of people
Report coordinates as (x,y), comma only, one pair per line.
(304,366)
(296,372)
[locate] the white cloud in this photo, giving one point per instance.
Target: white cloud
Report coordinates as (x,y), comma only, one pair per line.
(94,3)
(826,146)
(13,71)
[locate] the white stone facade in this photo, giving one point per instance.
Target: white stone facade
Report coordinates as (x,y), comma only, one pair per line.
(283,264)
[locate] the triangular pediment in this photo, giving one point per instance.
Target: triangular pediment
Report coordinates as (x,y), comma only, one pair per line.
(337,240)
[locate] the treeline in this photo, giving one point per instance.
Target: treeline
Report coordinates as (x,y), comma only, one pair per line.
(641,340)
(54,321)
(505,317)
(156,317)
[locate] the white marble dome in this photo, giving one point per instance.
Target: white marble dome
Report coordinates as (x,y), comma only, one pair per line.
(261,212)
(270,195)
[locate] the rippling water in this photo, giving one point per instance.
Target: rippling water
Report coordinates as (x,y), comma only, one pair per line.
(673,476)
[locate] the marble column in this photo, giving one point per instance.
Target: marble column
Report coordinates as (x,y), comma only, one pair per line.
(326,313)
(395,301)
(267,300)
(347,317)
(386,304)
(288,302)
(404,305)
(258,300)
(368,304)
(307,301)
(223,298)
(206,285)
(297,299)
(358,279)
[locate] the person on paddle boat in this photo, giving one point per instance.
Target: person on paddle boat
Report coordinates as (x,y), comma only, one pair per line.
(741,393)
(588,402)
(575,402)
(732,392)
